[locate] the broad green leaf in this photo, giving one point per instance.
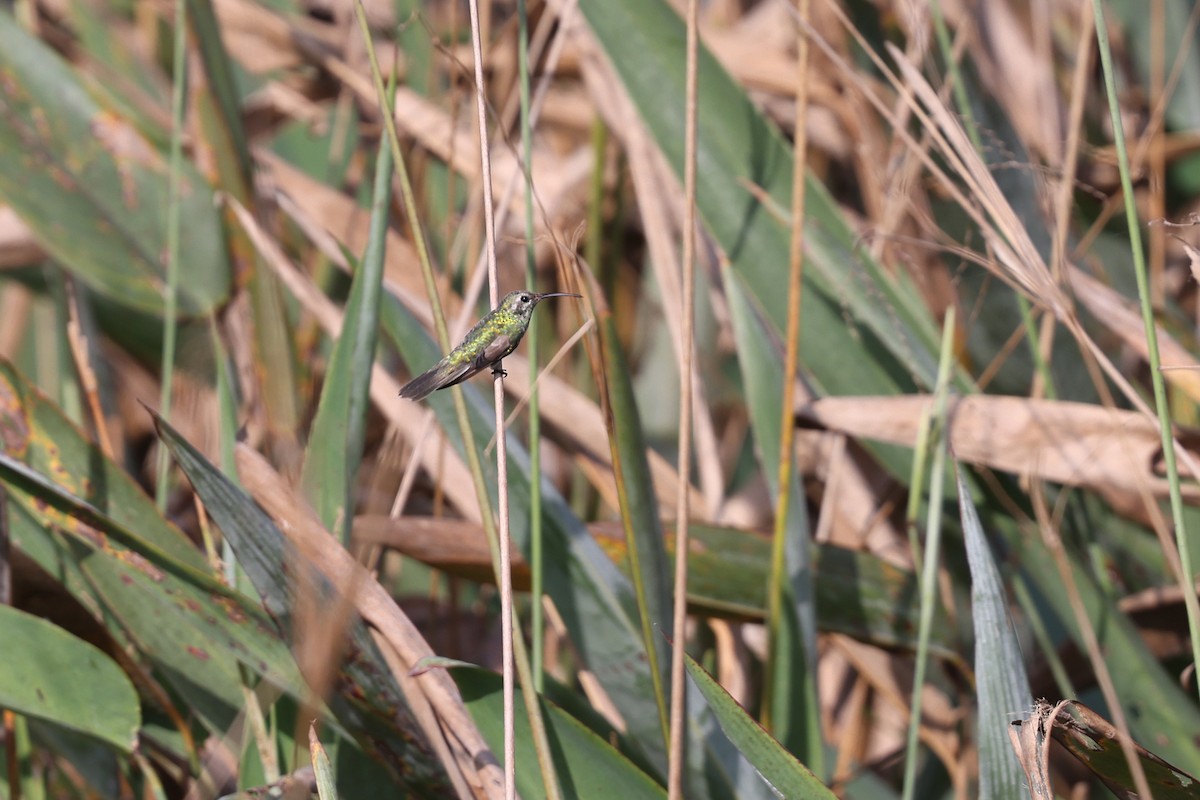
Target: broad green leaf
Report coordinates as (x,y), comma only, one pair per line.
(208,685)
(87,524)
(1000,677)
(335,445)
(85,691)
(63,483)
(786,776)
(36,432)
(46,517)
(587,765)
(186,622)
(94,190)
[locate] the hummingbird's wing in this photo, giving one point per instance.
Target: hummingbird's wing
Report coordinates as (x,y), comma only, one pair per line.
(447,373)
(492,352)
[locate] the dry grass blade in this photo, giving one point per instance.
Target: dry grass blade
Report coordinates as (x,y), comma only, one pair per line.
(1006,236)
(1097,744)
(1076,444)
(16,302)
(87,376)
(1031,741)
(683,510)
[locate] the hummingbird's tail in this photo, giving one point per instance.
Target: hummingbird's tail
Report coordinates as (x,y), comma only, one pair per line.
(423,385)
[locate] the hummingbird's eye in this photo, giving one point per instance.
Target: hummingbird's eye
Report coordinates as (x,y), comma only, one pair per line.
(524,298)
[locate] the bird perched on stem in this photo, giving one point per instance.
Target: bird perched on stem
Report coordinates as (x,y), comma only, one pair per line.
(492,338)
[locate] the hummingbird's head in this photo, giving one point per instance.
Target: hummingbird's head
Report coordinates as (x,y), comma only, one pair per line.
(521,302)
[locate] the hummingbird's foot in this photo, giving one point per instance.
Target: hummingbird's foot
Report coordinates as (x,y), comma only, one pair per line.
(503,373)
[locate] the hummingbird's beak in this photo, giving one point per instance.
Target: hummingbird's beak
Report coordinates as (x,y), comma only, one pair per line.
(542,297)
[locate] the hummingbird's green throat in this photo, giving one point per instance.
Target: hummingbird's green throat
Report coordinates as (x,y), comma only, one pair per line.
(492,338)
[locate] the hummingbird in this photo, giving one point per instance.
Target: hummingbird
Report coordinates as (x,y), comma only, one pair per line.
(486,345)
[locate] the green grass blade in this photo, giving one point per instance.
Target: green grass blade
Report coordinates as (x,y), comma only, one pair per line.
(786,776)
(221,111)
(335,445)
(536,623)
(939,441)
(1000,678)
(174,223)
(326,790)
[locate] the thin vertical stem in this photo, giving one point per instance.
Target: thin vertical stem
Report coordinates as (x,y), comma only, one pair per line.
(505,577)
(537,575)
(78,343)
(1156,157)
(775,591)
(939,436)
(1156,378)
(5,552)
(678,739)
(1162,410)
(12,758)
(174,221)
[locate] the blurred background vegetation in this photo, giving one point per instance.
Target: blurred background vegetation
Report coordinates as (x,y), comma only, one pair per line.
(219,523)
